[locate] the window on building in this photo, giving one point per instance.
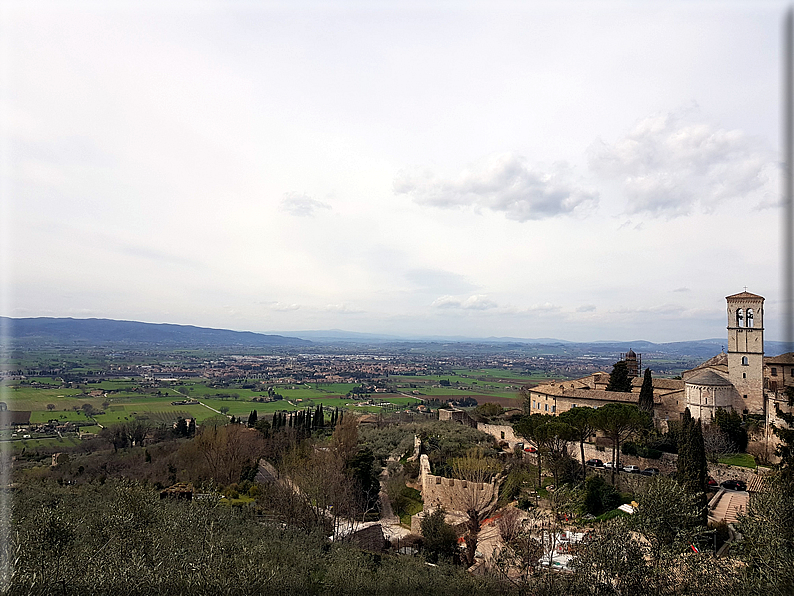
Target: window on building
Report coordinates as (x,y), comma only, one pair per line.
(744,396)
(553,409)
(744,375)
(739,317)
(546,407)
(745,362)
(773,371)
(503,434)
(749,317)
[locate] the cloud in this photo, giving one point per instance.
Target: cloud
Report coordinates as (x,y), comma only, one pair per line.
(342,308)
(476,302)
(671,163)
(682,289)
(586,308)
(502,183)
(282,307)
(438,281)
(301,205)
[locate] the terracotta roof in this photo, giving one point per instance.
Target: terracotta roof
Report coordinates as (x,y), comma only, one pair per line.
(720,359)
(787,358)
(671,384)
(744,294)
(594,394)
(709,377)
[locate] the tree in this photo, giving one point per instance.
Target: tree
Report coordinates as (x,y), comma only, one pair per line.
(619,378)
(692,469)
(472,500)
(439,540)
(692,466)
(553,438)
(252,418)
(716,443)
(600,496)
(768,530)
(180,430)
(50,407)
(785,450)
(646,393)
(730,423)
(527,427)
(619,422)
(224,410)
(581,422)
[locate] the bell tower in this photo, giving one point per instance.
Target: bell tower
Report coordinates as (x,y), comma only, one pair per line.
(746,351)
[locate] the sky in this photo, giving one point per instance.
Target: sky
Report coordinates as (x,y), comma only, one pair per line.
(577,170)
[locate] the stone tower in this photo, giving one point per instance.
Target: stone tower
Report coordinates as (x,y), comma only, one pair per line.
(746,351)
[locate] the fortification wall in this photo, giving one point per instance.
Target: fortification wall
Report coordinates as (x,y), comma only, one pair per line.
(501,432)
(450,493)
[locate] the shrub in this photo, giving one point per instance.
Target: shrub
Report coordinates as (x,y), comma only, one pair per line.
(600,496)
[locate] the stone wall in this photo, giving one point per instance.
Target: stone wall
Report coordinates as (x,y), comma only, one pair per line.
(501,432)
(450,493)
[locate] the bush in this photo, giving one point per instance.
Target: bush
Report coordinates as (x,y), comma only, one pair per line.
(600,496)
(439,538)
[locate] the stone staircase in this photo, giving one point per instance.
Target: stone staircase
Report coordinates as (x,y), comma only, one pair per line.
(727,506)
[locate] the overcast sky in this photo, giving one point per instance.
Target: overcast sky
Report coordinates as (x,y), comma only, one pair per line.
(582,171)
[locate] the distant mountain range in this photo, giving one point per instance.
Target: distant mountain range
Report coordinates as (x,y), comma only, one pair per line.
(45,331)
(86,332)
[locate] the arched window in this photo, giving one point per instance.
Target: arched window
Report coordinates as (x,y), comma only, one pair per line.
(745,362)
(749,317)
(739,317)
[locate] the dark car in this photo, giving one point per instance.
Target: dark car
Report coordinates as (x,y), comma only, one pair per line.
(594,463)
(734,485)
(651,471)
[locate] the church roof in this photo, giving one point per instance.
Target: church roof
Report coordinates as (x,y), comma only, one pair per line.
(708,377)
(787,358)
(720,359)
(744,294)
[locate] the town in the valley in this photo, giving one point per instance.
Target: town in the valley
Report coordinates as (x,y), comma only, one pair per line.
(583,469)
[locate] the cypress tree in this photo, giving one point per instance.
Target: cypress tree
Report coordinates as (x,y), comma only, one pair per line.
(619,378)
(252,417)
(692,467)
(646,393)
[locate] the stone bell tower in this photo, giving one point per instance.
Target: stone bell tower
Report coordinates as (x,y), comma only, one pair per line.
(746,351)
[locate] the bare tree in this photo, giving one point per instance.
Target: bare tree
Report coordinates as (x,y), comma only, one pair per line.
(716,443)
(477,495)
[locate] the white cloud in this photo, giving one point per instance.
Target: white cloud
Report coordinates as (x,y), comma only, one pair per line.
(671,163)
(502,183)
(301,205)
(586,308)
(343,308)
(475,302)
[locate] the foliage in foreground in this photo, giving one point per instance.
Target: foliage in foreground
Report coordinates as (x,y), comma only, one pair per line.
(119,538)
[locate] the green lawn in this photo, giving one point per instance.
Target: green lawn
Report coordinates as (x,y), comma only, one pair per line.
(745,460)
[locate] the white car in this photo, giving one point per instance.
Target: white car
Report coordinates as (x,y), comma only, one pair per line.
(609,465)
(632,469)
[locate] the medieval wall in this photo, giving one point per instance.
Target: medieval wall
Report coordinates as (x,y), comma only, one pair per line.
(450,493)
(501,432)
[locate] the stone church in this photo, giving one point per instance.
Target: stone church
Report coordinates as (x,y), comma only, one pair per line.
(744,379)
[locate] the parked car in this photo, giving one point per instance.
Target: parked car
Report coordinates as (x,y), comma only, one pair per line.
(530,449)
(594,463)
(651,471)
(734,485)
(609,465)
(632,469)
(712,484)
